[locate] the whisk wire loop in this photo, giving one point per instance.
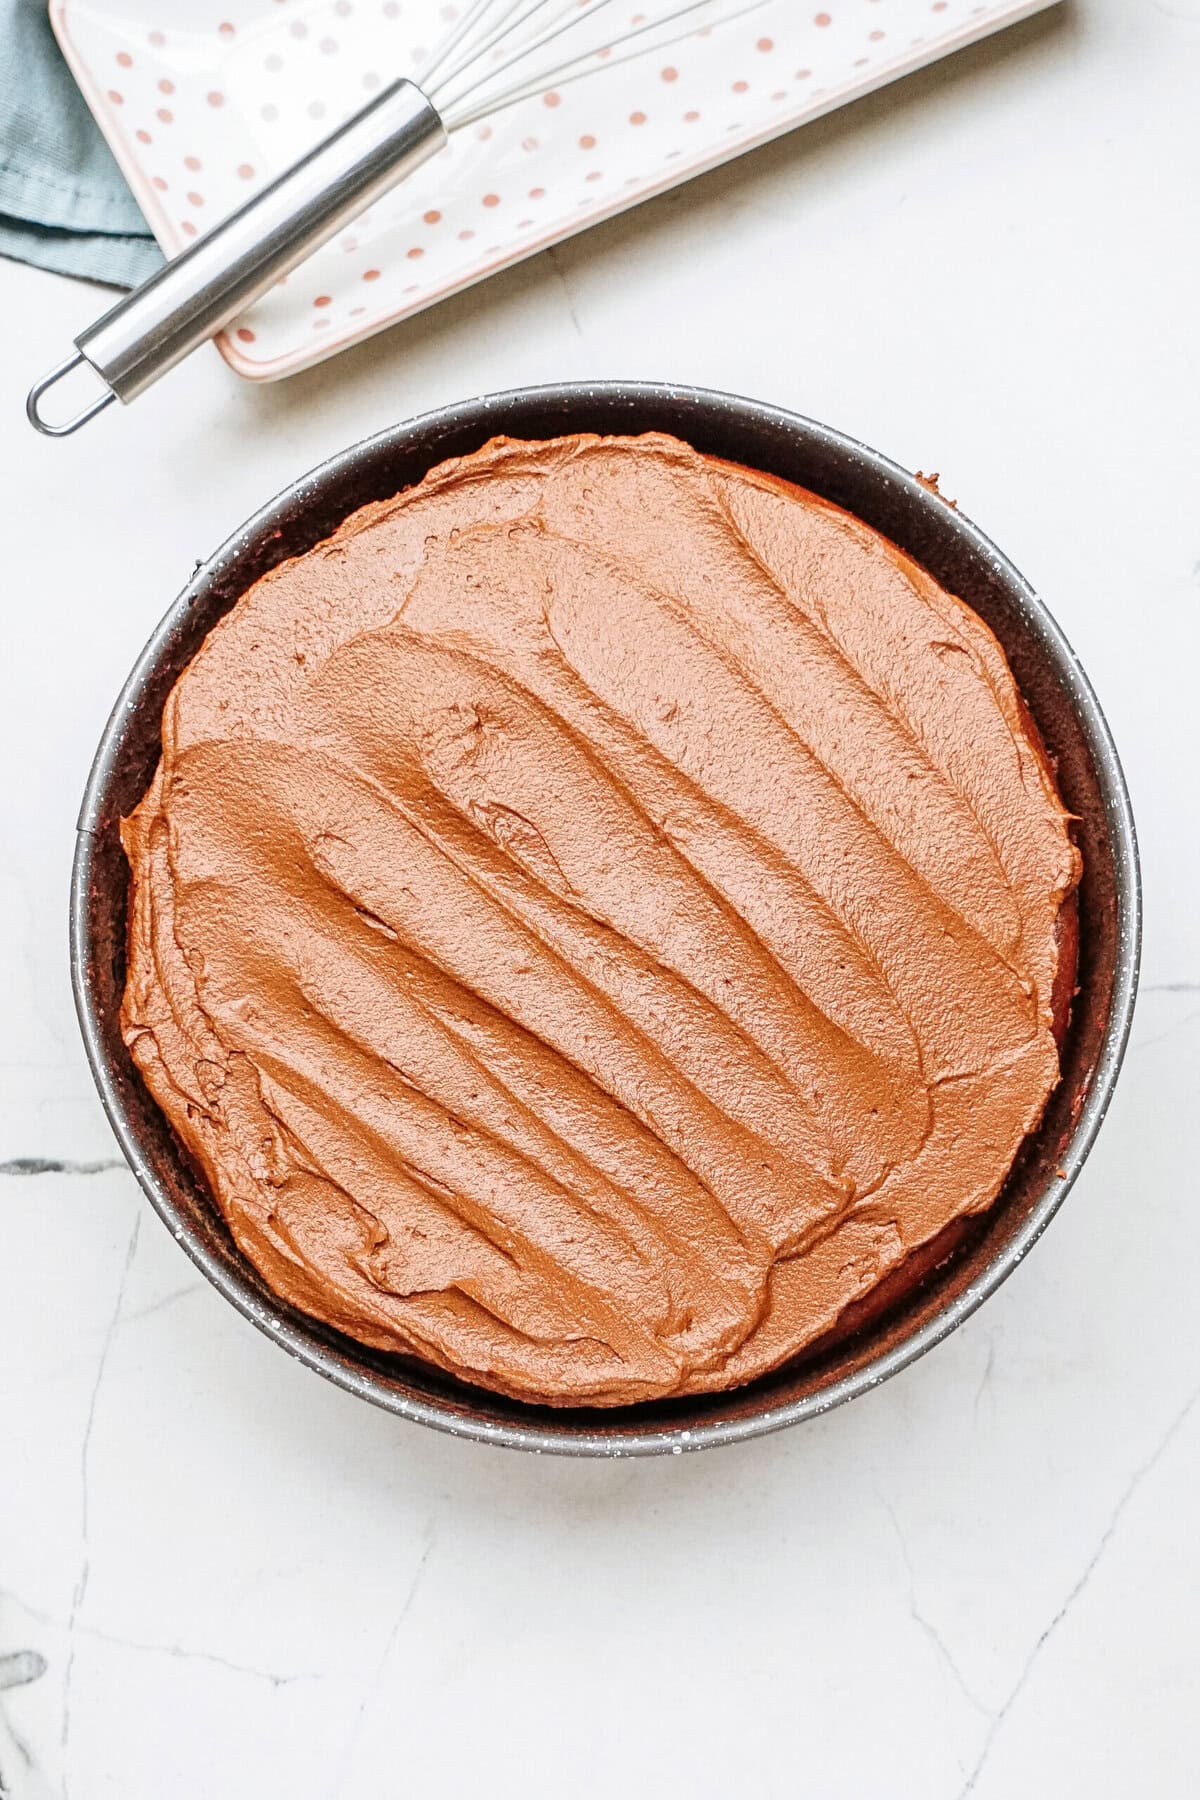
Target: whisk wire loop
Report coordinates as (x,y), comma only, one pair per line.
(473,87)
(449,44)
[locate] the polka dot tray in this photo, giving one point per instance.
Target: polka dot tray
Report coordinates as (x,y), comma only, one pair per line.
(203,100)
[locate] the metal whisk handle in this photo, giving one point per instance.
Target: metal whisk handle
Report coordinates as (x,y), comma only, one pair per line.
(217,277)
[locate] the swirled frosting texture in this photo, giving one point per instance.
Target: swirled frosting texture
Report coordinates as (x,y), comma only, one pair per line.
(594,917)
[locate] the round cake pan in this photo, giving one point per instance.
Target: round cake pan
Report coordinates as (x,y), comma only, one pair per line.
(1057,692)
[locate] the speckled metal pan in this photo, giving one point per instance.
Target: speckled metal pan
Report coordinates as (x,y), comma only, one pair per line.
(1062,703)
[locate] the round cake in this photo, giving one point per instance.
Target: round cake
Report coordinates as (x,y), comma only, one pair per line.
(601,922)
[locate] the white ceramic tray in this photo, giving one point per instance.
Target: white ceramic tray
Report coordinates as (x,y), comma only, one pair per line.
(203,99)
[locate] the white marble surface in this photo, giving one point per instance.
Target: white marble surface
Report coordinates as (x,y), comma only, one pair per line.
(226,1578)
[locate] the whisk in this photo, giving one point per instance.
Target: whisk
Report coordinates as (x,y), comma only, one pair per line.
(492,54)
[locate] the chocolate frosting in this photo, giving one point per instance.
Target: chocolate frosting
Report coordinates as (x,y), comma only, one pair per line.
(594,918)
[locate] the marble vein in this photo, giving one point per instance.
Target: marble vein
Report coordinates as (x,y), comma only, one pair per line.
(365,1704)
(85,1564)
(1189,1018)
(183,1653)
(985,1379)
(156,1306)
(44,1165)
(142,1647)
(926,1624)
(564,284)
(1140,1475)
(17,1669)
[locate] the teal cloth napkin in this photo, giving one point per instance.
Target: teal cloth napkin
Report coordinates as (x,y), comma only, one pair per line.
(64,204)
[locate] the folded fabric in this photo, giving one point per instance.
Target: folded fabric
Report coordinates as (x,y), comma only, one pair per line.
(64,204)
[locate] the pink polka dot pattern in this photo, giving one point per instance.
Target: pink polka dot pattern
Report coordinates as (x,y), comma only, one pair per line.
(203,99)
